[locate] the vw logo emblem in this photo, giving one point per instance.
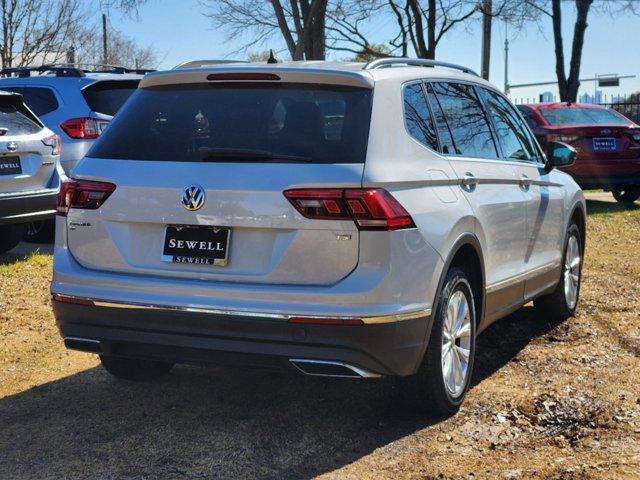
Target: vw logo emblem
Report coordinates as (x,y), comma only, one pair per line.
(193,197)
(12,146)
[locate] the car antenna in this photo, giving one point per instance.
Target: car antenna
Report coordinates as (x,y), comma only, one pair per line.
(272,58)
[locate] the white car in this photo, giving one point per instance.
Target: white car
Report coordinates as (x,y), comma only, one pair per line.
(350,220)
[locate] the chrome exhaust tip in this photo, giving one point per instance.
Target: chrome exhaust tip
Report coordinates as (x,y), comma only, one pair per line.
(83,344)
(328,368)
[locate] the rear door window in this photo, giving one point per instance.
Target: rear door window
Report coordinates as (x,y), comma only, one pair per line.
(466,120)
(241,122)
(417,117)
(108,96)
(508,127)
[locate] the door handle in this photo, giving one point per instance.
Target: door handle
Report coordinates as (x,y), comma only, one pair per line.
(469,180)
(525,182)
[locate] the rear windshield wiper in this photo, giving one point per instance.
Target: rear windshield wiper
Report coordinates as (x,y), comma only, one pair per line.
(247,155)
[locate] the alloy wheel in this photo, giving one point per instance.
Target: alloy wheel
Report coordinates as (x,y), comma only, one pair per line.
(571,272)
(456,343)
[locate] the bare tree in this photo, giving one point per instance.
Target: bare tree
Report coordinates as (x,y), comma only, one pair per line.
(37,31)
(121,50)
(421,24)
(300,23)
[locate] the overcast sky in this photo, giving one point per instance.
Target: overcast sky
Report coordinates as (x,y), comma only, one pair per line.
(179,32)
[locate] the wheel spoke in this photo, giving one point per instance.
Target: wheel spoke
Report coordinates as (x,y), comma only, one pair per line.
(463,354)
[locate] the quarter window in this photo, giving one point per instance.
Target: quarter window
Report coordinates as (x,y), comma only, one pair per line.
(509,128)
(417,116)
(466,119)
(40,100)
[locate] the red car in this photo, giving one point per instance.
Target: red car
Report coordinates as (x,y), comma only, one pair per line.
(608,144)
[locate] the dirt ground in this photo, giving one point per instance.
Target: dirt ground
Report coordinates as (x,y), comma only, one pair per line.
(548,400)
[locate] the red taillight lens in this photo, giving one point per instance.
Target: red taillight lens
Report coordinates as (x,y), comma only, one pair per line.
(85,194)
(84,127)
(370,209)
(54,142)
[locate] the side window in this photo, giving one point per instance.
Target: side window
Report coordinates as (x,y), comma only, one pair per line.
(40,100)
(509,128)
(446,141)
(466,119)
(417,117)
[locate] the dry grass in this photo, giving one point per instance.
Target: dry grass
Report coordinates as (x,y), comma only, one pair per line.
(548,401)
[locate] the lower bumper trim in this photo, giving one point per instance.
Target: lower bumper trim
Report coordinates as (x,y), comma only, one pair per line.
(367,320)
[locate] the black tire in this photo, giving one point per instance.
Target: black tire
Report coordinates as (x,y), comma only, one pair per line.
(10,236)
(426,390)
(555,306)
(627,194)
(41,231)
(136,370)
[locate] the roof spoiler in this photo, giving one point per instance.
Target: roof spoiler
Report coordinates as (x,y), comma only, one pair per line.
(203,63)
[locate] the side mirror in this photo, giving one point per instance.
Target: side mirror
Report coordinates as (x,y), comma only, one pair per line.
(559,155)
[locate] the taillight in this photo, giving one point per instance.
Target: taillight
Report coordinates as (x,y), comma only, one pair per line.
(370,209)
(84,127)
(54,142)
(553,137)
(84,194)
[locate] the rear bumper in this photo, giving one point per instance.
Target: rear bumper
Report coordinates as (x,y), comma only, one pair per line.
(28,207)
(385,346)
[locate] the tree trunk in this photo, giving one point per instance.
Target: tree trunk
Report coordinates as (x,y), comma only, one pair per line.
(487,11)
(573,82)
(568,87)
(556,18)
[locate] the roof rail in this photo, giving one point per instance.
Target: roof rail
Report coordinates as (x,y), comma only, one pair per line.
(59,71)
(415,62)
(70,70)
(202,63)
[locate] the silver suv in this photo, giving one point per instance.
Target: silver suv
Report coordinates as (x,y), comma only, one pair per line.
(29,169)
(349,220)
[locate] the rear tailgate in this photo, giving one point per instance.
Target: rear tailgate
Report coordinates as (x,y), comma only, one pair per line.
(26,164)
(243,146)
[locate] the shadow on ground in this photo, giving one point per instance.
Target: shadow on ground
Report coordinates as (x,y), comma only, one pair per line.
(601,206)
(24,250)
(215,423)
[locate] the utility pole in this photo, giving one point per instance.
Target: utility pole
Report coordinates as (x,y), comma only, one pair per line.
(104,38)
(506,60)
(487,10)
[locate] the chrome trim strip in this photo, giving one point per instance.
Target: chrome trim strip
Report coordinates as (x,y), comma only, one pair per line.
(360,372)
(367,320)
(522,276)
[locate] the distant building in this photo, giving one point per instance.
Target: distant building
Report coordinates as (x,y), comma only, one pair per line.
(546,97)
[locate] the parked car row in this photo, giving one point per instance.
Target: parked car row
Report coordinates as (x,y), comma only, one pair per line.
(74,102)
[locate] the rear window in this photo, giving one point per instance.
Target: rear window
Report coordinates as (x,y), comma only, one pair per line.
(582,116)
(108,96)
(233,122)
(16,122)
(41,100)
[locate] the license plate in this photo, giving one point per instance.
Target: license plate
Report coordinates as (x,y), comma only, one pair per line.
(604,144)
(197,245)
(10,165)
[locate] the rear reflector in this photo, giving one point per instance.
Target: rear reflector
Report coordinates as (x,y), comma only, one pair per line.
(325,321)
(69,299)
(83,194)
(242,76)
(370,209)
(86,128)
